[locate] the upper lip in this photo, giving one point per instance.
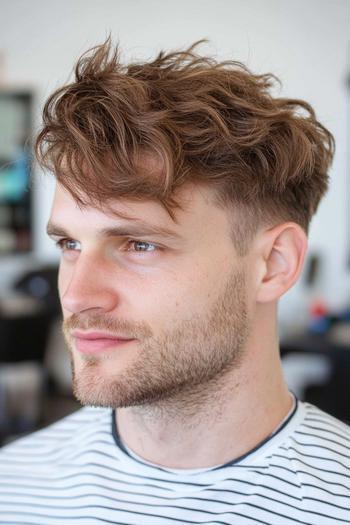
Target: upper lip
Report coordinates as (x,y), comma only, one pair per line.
(98,335)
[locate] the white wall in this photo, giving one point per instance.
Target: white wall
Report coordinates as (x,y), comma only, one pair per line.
(305,43)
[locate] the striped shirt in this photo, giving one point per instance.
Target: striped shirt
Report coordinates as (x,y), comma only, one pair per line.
(77,471)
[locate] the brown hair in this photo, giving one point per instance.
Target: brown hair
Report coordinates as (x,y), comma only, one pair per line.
(200,120)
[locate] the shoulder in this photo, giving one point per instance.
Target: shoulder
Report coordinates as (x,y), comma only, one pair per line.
(318,449)
(81,423)
(308,465)
(330,436)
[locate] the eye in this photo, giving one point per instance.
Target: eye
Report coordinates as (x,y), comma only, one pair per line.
(141,246)
(68,245)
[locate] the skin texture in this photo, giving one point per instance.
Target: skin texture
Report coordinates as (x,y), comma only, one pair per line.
(203,363)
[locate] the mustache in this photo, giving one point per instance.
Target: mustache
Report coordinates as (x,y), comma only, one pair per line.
(93,321)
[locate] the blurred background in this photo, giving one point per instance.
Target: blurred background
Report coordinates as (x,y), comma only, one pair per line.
(306,44)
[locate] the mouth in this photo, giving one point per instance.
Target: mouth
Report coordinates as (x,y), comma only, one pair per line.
(96,342)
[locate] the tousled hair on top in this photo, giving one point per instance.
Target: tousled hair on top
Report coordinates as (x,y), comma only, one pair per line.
(143,130)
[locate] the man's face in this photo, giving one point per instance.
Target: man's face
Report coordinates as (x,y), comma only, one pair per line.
(152,308)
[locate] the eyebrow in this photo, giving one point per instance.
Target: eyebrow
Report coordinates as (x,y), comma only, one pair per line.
(127,230)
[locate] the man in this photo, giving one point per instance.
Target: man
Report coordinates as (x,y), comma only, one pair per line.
(184,195)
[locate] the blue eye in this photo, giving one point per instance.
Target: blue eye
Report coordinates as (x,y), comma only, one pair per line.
(68,244)
(142,246)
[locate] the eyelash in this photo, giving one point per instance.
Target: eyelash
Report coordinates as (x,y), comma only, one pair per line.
(61,242)
(61,245)
(130,242)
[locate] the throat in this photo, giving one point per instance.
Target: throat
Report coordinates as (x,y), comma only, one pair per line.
(171,438)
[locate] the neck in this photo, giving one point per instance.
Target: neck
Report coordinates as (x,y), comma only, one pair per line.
(214,423)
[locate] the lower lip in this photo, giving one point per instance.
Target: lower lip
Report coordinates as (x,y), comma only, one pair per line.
(96,346)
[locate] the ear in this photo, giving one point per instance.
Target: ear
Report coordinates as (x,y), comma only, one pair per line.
(281,253)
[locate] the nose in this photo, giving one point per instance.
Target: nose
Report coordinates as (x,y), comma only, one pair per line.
(87,285)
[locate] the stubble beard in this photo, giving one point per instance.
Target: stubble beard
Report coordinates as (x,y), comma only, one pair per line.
(185,363)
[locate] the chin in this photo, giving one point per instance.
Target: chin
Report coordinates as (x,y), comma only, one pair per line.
(93,385)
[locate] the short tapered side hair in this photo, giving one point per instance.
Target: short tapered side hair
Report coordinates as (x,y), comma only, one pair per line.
(144,129)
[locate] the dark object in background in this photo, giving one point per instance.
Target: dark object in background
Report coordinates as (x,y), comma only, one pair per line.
(24,333)
(312,270)
(41,284)
(24,338)
(26,319)
(334,396)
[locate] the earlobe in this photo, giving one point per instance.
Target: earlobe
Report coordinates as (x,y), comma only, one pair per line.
(282,253)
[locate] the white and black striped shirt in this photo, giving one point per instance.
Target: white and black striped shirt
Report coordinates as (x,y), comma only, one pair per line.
(78,472)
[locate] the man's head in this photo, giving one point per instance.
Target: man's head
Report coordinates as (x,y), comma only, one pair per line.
(185,191)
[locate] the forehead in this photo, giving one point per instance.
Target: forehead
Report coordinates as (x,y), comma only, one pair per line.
(198,212)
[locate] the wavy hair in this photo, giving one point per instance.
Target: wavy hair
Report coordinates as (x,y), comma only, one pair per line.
(144,129)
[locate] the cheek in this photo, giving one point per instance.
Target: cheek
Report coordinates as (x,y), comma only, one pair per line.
(175,298)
